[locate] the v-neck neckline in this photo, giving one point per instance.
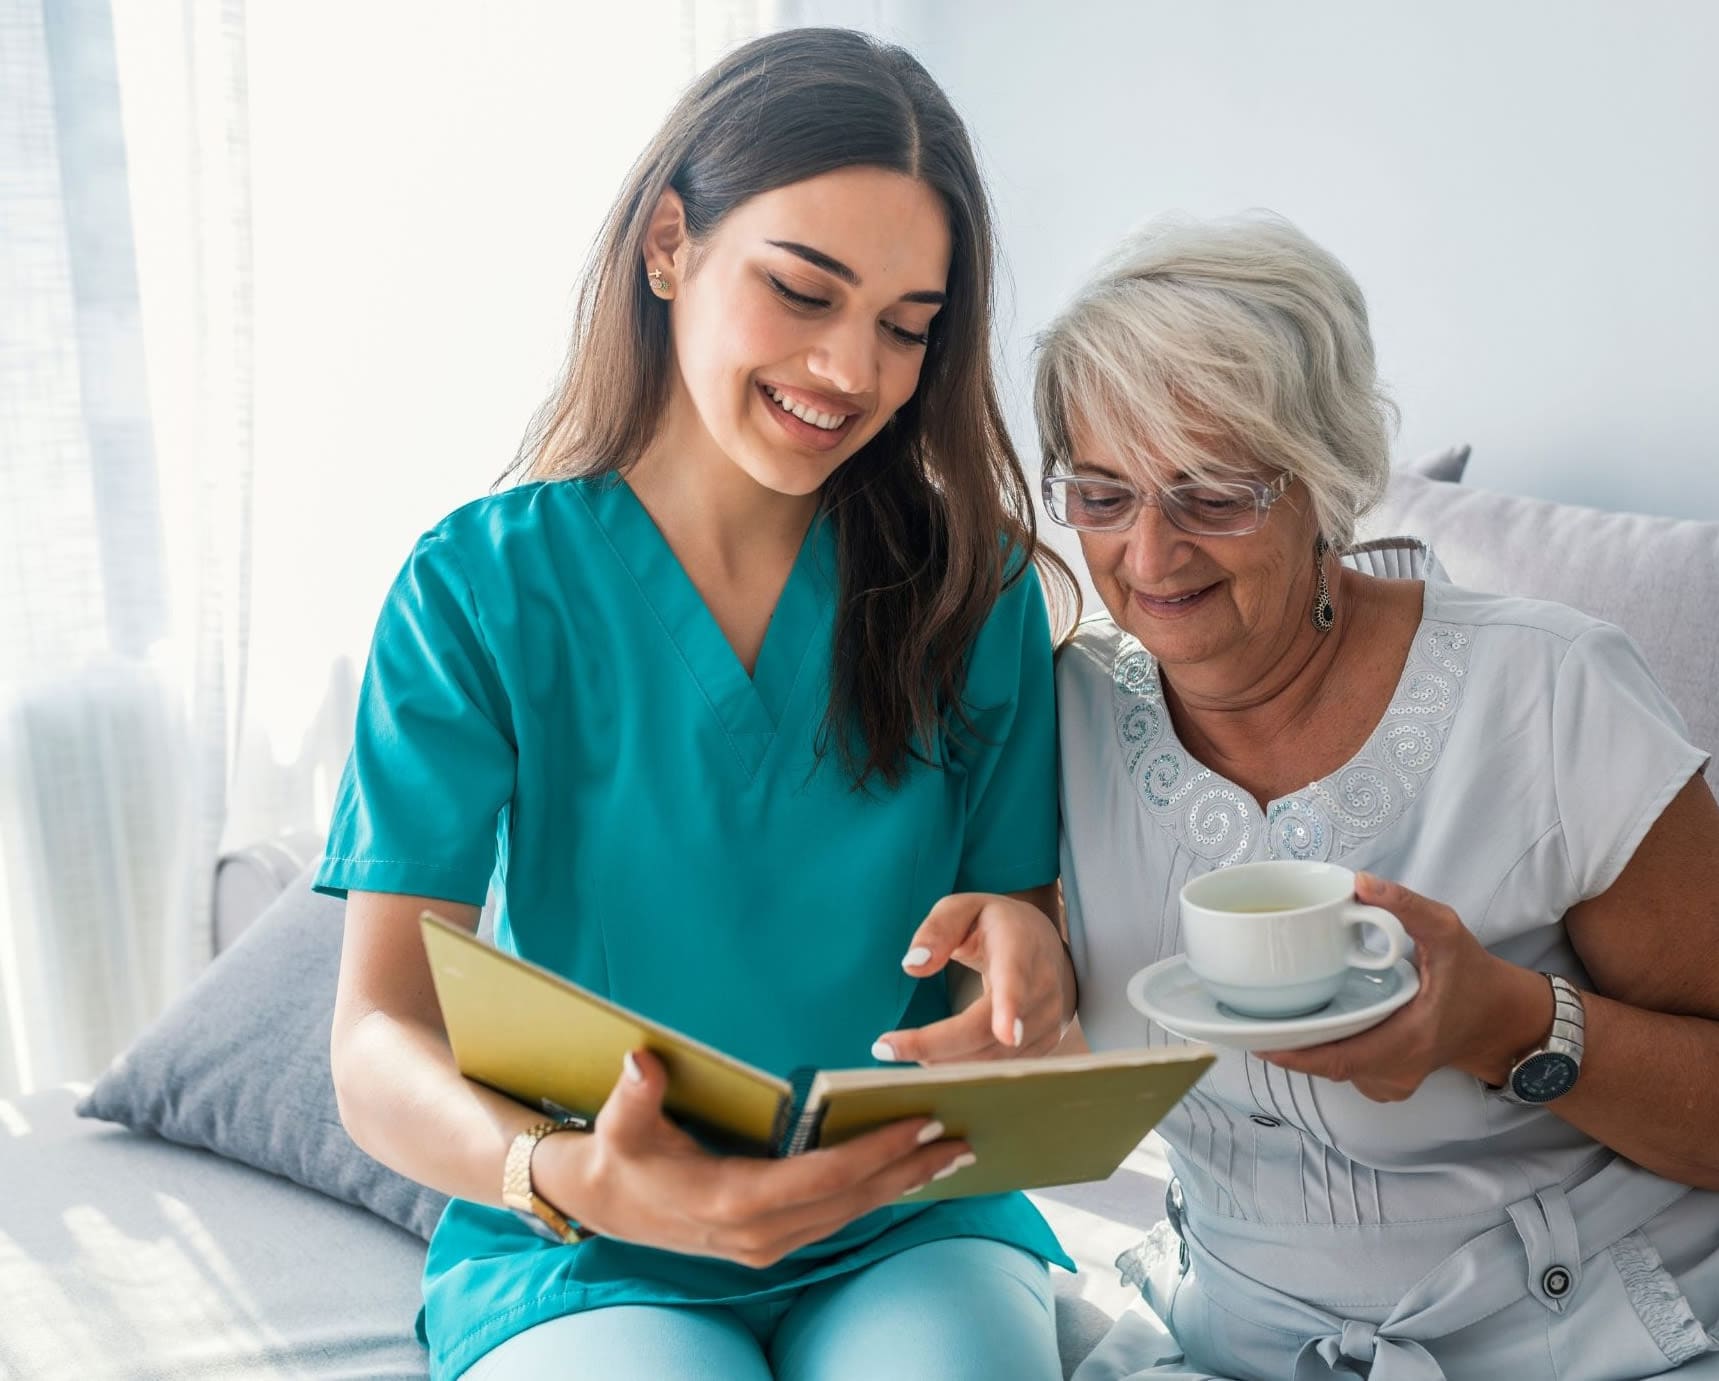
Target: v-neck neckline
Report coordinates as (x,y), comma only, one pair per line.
(752,708)
(1220,822)
(1367,748)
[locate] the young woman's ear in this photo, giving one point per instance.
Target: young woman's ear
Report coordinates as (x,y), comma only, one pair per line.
(666,242)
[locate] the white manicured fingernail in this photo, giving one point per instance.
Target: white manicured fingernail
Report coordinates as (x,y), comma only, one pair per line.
(635,1075)
(915,957)
(916,1188)
(882,1050)
(961,1162)
(1020,1030)
(930,1132)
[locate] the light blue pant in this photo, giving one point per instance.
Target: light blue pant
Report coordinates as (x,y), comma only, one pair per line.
(962,1309)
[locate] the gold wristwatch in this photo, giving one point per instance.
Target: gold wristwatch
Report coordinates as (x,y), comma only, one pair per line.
(518,1194)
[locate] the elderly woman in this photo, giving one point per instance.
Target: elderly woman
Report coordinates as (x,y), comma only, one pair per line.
(1505,777)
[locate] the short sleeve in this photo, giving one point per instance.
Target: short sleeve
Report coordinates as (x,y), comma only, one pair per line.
(433,754)
(1010,842)
(1620,752)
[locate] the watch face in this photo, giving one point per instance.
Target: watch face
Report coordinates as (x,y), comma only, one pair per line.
(1544,1076)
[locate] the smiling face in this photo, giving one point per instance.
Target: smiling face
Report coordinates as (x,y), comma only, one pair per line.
(799,326)
(1196,601)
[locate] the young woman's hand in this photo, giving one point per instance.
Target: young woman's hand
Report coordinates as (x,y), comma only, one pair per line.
(1016,949)
(638,1177)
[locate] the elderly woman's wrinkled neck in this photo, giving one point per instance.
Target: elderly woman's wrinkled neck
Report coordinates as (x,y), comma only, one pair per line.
(1274,724)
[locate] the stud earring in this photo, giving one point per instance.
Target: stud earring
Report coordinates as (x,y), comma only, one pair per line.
(659,282)
(1323,615)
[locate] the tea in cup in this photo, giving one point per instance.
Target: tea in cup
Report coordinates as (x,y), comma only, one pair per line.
(1277,939)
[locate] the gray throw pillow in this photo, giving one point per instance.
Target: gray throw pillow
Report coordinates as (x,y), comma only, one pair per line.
(239,1065)
(1447,464)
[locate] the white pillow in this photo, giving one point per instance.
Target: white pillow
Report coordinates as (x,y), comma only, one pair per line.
(1655,578)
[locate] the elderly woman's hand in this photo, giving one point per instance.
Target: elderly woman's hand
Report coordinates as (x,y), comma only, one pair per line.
(1474,1012)
(1029,991)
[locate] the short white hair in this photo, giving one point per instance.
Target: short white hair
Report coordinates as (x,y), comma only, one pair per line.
(1203,345)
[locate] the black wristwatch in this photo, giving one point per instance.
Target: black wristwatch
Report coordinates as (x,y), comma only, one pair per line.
(1550,1071)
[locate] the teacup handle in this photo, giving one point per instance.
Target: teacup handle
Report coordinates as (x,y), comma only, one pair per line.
(1356,916)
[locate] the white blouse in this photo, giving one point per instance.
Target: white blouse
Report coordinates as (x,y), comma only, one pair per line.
(1525,753)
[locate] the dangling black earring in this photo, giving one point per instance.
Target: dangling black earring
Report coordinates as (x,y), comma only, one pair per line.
(1323,615)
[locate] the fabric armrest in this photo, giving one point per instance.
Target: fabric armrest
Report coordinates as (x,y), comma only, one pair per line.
(247,880)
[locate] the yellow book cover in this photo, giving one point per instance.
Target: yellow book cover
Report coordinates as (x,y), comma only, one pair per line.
(553,1045)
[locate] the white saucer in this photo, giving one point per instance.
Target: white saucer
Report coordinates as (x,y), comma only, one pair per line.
(1169,993)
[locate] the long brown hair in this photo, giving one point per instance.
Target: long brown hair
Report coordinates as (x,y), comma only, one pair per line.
(933,516)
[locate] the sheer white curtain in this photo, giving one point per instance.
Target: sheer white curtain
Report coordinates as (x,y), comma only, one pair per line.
(280,284)
(125,467)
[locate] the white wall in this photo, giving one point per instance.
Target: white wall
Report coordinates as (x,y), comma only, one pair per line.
(426,181)
(1522,188)
(1528,192)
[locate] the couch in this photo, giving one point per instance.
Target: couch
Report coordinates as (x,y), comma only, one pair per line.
(123,1255)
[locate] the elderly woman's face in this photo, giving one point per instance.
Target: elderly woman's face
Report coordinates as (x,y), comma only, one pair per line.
(1196,599)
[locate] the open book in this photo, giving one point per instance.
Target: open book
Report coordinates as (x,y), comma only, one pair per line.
(551,1044)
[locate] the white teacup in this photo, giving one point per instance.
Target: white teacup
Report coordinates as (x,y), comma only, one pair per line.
(1277,939)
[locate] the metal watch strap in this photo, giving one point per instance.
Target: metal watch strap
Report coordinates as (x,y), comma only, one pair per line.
(1569,1017)
(518,1193)
(1565,1037)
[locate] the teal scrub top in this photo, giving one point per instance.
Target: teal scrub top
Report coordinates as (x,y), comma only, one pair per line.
(550,707)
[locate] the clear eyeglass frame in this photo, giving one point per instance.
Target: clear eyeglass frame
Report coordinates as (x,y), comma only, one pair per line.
(1089,503)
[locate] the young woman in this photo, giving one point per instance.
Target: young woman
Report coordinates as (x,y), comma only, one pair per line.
(744,703)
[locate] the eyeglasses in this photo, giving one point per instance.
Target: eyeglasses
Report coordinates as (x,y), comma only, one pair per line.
(1231,509)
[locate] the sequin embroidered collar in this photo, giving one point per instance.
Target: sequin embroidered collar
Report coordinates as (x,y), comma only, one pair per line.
(1219,822)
